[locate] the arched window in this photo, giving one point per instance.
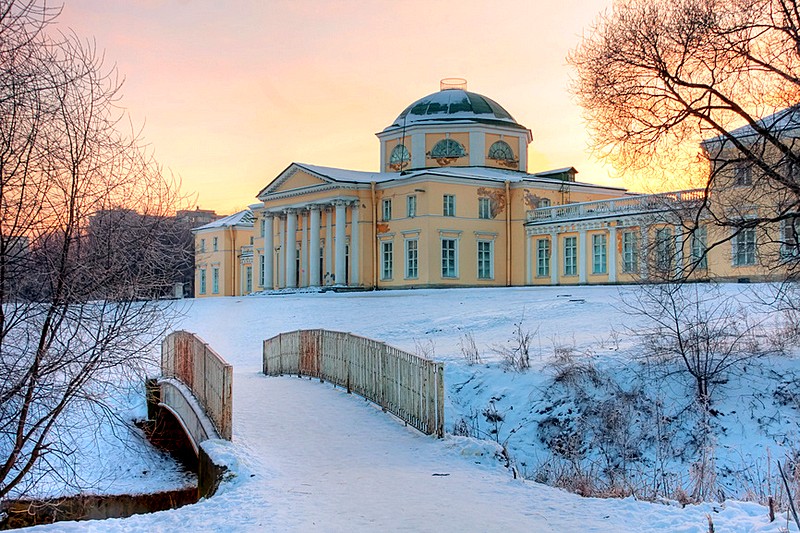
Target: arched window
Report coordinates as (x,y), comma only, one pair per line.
(399,157)
(501,152)
(448,149)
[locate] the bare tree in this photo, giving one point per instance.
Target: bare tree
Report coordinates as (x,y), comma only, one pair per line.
(85,244)
(697,331)
(709,89)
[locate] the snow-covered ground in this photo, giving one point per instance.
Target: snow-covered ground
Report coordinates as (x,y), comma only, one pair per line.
(311,457)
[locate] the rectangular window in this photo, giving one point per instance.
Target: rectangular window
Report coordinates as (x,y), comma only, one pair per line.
(215,280)
(630,252)
(485,259)
(484,208)
(665,249)
(744,247)
(411,206)
(743,174)
(387,209)
(544,202)
(790,231)
(599,254)
(412,259)
(449,264)
(215,244)
(449,205)
(202,246)
(387,249)
(202,281)
(248,280)
(263,227)
(698,246)
(570,256)
(543,257)
(262,268)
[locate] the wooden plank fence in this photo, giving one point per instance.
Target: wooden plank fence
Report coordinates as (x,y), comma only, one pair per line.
(186,357)
(406,385)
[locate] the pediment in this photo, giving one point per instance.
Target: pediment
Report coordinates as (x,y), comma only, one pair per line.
(293,178)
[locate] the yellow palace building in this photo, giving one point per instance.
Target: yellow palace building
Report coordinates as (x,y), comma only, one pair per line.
(452,205)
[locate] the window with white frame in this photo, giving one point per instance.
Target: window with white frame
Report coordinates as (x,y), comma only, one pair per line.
(262,269)
(411,206)
(215,244)
(449,205)
(743,174)
(449,258)
(599,254)
(665,249)
(248,279)
(744,247)
(202,246)
(543,257)
(387,209)
(412,258)
(387,249)
(263,226)
(215,280)
(570,256)
(790,231)
(630,252)
(485,259)
(698,248)
(484,208)
(202,281)
(544,202)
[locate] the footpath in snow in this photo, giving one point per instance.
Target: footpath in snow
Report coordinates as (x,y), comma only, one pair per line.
(309,457)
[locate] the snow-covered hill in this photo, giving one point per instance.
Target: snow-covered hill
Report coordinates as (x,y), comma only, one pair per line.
(587,396)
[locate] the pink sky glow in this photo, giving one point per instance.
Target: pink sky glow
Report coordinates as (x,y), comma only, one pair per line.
(231,92)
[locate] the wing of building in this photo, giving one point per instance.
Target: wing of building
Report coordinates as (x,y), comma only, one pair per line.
(452,205)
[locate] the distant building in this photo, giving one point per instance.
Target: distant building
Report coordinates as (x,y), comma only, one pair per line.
(452,205)
(196,217)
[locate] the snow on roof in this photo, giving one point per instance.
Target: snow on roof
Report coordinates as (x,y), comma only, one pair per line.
(454,104)
(242,218)
(487,173)
(778,123)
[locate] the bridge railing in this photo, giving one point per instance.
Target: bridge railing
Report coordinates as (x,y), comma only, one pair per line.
(406,385)
(186,357)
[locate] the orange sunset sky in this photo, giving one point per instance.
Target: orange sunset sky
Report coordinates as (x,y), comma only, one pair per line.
(231,92)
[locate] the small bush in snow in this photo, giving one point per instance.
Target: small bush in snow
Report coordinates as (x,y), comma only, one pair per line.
(469,350)
(516,352)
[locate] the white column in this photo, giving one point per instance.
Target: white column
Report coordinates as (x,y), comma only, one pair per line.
(291,248)
(281,253)
(678,250)
(644,250)
(329,243)
(354,244)
(528,260)
(269,252)
(554,258)
(523,153)
(477,148)
(339,272)
(417,150)
(313,250)
(582,256)
(302,277)
(612,254)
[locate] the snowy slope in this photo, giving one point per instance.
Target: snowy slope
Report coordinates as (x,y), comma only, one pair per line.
(312,458)
(289,455)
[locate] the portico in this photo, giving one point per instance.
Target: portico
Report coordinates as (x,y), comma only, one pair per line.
(295,253)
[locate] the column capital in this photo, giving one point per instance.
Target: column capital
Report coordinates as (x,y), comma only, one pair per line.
(290,210)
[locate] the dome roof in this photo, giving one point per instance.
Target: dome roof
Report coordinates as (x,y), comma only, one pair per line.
(454,105)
